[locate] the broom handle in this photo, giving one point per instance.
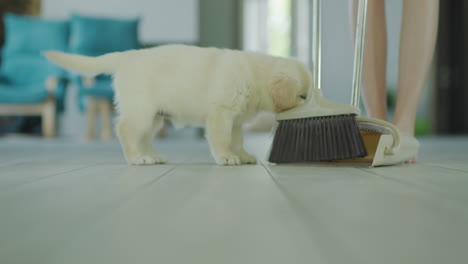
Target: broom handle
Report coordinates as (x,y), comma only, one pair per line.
(359,51)
(317,42)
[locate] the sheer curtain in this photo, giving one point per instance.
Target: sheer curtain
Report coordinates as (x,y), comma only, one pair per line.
(278,27)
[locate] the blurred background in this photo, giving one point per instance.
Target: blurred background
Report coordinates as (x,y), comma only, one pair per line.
(277,27)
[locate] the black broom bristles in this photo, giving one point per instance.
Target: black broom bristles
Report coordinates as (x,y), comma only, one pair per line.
(313,139)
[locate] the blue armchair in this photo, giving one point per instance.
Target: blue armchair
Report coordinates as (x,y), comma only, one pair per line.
(95,36)
(29,84)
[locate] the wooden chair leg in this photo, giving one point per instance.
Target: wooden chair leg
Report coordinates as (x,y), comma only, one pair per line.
(105,107)
(91,111)
(48,118)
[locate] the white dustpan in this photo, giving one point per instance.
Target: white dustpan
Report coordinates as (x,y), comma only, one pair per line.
(384,142)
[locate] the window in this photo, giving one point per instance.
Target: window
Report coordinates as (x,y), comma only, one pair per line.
(267,26)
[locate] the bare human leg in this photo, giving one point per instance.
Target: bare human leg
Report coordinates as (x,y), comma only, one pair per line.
(417,44)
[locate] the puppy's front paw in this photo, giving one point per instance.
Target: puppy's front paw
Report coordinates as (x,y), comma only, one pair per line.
(149,160)
(228,159)
(159,159)
(246,158)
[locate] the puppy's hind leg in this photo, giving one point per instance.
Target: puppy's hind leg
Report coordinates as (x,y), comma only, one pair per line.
(135,134)
(219,134)
(148,138)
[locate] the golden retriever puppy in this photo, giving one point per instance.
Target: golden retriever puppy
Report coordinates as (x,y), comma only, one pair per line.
(216,88)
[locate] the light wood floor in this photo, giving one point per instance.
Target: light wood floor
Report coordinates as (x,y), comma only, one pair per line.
(66,202)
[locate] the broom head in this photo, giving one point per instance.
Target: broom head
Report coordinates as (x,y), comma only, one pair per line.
(319,130)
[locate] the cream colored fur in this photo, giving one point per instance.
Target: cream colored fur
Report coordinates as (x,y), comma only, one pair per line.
(216,88)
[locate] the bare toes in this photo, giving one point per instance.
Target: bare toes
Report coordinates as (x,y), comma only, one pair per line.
(412,160)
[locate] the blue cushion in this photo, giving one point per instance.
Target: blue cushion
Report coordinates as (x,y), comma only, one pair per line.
(25,34)
(96,35)
(25,69)
(4,79)
(11,94)
(32,93)
(26,37)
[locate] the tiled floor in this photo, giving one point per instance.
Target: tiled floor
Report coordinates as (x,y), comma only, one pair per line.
(64,202)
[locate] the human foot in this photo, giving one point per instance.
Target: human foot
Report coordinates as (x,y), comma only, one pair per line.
(407,130)
(412,160)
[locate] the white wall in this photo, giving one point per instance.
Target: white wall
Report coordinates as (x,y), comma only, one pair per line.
(162,20)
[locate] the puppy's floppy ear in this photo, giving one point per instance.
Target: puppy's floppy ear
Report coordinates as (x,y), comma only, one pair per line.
(283,92)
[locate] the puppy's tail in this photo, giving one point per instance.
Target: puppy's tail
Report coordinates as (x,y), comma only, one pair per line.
(87,65)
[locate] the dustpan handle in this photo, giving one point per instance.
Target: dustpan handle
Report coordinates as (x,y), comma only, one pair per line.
(317,43)
(357,76)
(359,51)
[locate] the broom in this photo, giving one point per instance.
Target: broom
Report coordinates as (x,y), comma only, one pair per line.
(318,130)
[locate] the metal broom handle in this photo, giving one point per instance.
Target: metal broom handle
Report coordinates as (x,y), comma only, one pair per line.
(317,42)
(359,51)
